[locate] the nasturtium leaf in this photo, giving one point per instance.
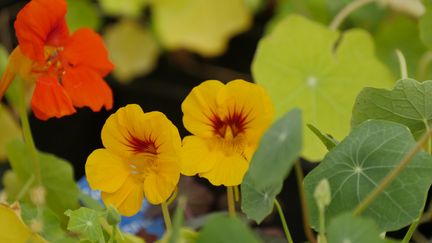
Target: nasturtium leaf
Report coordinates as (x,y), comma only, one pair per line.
(359,163)
(126,8)
(51,227)
(85,222)
(399,32)
(225,229)
(409,103)
(82,13)
(425,25)
(279,149)
(326,139)
(304,64)
(11,186)
(132,48)
(347,228)
(13,229)
(10,130)
(57,176)
(202,26)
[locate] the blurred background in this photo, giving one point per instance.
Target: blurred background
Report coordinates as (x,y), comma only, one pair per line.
(163,48)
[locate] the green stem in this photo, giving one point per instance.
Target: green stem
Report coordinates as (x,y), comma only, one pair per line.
(28,138)
(393,174)
(284,224)
(346,11)
(322,235)
(113,234)
(166,216)
(411,231)
(25,188)
(231,203)
(305,212)
(402,64)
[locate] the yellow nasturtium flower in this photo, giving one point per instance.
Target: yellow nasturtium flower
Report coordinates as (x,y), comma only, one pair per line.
(140,159)
(227,122)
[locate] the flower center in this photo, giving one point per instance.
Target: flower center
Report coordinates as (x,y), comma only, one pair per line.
(144,158)
(230,131)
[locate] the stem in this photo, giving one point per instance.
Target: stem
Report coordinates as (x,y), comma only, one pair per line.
(346,11)
(402,64)
(28,138)
(411,231)
(305,212)
(113,234)
(423,66)
(230,198)
(25,188)
(393,174)
(323,238)
(236,194)
(172,197)
(166,216)
(284,224)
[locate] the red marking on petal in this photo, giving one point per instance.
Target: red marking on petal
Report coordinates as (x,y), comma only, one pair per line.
(236,121)
(142,146)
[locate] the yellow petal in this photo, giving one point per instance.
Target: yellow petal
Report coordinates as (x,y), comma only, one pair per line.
(12,229)
(158,188)
(199,106)
(228,170)
(196,156)
(128,199)
(105,171)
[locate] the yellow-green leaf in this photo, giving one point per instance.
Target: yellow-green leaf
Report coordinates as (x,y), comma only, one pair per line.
(82,13)
(10,130)
(13,229)
(202,26)
(127,8)
(303,64)
(132,48)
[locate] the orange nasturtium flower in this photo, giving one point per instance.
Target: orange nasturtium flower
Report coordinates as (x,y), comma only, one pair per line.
(227,122)
(68,69)
(140,159)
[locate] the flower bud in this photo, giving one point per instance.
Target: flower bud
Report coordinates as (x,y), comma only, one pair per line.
(36,225)
(37,195)
(322,194)
(113,216)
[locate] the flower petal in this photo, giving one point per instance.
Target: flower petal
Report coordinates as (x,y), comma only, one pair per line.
(85,48)
(128,199)
(50,100)
(86,88)
(200,106)
(105,171)
(158,188)
(228,170)
(41,23)
(196,156)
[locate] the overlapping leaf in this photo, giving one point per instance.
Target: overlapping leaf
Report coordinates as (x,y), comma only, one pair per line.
(409,103)
(82,13)
(126,8)
(304,64)
(85,222)
(279,149)
(359,163)
(347,228)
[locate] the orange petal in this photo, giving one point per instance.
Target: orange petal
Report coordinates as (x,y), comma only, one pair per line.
(86,88)
(128,199)
(50,100)
(85,48)
(41,23)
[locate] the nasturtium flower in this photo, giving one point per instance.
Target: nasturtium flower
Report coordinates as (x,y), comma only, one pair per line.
(140,159)
(68,69)
(226,122)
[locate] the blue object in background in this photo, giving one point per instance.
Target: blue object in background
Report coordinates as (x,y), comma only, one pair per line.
(134,224)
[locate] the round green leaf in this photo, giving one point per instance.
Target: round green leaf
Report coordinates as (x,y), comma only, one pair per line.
(279,149)
(202,26)
(359,163)
(347,228)
(85,222)
(303,64)
(82,13)
(132,49)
